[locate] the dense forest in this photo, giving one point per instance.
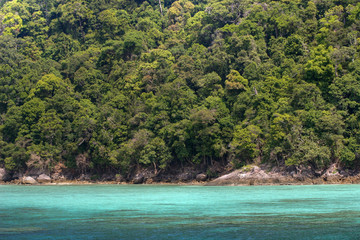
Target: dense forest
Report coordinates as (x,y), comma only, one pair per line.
(122,85)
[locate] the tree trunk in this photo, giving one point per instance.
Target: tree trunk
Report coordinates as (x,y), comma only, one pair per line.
(155,168)
(161,10)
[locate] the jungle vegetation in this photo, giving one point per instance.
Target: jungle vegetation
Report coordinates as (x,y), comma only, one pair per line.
(117,85)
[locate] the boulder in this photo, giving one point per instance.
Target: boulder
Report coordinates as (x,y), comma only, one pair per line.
(252,175)
(201,177)
(4,175)
(43,178)
(29,180)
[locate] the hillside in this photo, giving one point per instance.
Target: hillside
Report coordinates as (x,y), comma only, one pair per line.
(121,86)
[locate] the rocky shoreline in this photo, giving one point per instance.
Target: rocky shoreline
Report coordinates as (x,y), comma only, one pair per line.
(255,175)
(246,176)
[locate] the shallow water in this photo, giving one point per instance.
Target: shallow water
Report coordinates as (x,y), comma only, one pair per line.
(179,212)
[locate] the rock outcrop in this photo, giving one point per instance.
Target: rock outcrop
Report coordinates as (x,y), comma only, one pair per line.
(43,178)
(143,176)
(4,175)
(263,175)
(257,175)
(29,180)
(248,175)
(201,177)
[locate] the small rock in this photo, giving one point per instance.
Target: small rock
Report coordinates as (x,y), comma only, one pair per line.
(29,180)
(201,177)
(43,178)
(4,176)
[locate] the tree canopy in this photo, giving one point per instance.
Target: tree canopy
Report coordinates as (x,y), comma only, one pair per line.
(120,85)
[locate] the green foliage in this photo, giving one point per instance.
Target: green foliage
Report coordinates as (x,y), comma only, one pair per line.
(245,144)
(235,81)
(155,153)
(121,85)
(47,87)
(319,68)
(310,152)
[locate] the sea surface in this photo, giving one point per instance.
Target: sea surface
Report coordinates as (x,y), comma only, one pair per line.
(179,212)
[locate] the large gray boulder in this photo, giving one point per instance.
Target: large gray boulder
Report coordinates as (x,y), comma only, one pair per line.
(43,178)
(201,177)
(4,175)
(251,175)
(29,180)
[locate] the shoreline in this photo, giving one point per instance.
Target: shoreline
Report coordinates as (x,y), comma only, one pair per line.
(84,182)
(246,176)
(214,182)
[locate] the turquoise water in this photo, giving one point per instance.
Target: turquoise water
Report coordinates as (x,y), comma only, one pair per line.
(179,212)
